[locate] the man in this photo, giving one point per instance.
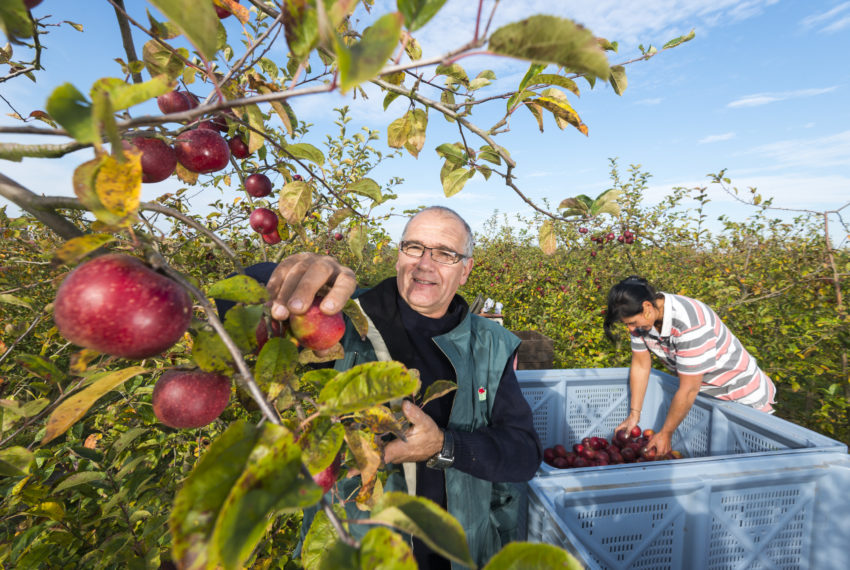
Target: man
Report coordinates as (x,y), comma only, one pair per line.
(469,445)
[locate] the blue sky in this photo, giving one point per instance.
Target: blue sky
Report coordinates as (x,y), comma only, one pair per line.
(762,91)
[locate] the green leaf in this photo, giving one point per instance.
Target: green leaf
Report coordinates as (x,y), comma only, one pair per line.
(380,420)
(125,95)
(295,201)
(271,483)
(559,80)
(80,478)
(489,154)
(418,119)
(618,79)
(398,131)
(14,21)
(254,118)
(161,61)
(241,325)
(307,152)
(24,409)
(366,385)
(546,238)
(210,353)
(41,367)
(12,300)
(197,20)
(199,501)
(521,555)
(73,111)
(389,98)
(455,72)
(549,39)
(357,237)
(417,13)
(339,216)
(16,461)
(452,151)
(75,407)
(301,27)
(606,203)
(561,109)
(437,389)
(276,361)
(454,180)
(365,59)
(425,519)
(239,289)
(680,40)
(576,206)
(323,549)
(367,187)
(533,70)
(383,549)
(320,444)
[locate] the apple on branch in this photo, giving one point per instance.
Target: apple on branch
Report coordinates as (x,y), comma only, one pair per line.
(190,398)
(117,305)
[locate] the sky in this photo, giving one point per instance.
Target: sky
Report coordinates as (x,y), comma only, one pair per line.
(761,91)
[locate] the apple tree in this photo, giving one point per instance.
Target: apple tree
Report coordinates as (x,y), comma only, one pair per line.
(92,476)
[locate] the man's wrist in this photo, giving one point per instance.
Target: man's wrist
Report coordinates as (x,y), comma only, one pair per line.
(446,456)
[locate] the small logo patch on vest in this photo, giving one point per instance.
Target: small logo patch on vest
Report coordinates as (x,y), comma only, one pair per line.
(482,394)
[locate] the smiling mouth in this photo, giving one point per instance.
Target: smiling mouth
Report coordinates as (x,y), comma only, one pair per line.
(423,282)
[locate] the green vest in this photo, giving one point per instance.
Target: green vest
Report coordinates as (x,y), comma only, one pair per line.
(479,351)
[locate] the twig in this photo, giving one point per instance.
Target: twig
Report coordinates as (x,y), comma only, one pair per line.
(127,38)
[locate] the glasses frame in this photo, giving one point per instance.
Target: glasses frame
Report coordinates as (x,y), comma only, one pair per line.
(457,259)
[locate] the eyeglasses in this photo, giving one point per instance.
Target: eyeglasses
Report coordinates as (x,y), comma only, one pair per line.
(444,256)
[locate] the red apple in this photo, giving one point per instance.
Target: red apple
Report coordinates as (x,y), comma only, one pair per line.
(338,236)
(560,462)
(648,453)
(559,451)
(222,12)
(271,238)
(30,4)
(117,305)
(648,433)
(327,477)
(263,221)
(278,329)
(582,230)
(238,148)
(548,455)
(158,159)
(628,454)
(581,462)
(635,431)
(202,150)
(258,185)
(316,330)
(190,398)
(174,102)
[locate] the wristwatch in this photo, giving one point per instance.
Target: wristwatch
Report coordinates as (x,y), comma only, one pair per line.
(446,457)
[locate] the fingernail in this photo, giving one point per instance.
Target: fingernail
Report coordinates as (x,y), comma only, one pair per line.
(329,306)
(296,304)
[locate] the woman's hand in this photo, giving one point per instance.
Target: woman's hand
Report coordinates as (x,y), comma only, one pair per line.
(630,422)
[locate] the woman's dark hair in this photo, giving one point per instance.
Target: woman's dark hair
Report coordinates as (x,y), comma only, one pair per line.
(625,299)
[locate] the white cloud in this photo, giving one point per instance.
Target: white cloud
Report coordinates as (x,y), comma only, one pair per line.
(817,153)
(717,138)
(758,99)
(829,19)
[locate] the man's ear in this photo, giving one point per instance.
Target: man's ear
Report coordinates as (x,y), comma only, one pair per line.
(466,270)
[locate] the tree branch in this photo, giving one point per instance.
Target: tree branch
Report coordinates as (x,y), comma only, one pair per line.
(127,37)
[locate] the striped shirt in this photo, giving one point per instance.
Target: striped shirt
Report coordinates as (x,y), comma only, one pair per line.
(693,340)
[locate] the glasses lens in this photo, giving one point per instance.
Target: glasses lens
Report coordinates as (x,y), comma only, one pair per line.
(413,249)
(443,256)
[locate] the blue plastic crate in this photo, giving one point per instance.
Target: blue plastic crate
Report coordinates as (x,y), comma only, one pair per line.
(571,404)
(711,515)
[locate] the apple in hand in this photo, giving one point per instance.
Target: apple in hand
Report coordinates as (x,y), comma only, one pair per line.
(258,185)
(158,159)
(190,398)
(316,330)
(202,150)
(117,305)
(278,329)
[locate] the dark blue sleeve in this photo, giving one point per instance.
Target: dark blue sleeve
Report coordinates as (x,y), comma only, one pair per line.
(508,450)
(259,271)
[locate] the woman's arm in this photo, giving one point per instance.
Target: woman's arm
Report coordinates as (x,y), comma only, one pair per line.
(683,399)
(638,381)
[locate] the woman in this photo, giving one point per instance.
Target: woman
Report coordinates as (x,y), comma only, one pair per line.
(692,341)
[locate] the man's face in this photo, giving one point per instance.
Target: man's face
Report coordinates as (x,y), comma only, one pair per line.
(428,286)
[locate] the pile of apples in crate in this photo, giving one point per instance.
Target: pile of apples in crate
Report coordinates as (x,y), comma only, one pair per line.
(596,451)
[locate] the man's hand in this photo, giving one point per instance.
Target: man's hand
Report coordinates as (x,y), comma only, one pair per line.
(424,438)
(630,422)
(299,278)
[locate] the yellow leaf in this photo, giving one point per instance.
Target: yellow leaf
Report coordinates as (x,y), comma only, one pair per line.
(75,407)
(118,184)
